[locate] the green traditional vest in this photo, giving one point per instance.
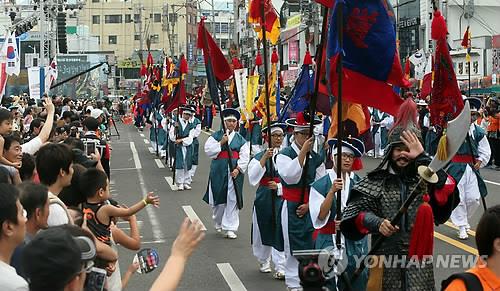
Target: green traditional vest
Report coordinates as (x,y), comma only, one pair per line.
(180,162)
(219,168)
(196,143)
(264,212)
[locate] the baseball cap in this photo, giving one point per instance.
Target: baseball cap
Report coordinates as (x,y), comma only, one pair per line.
(96,113)
(56,255)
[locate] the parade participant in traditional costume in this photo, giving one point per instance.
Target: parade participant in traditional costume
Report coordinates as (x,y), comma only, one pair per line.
(267,239)
(423,118)
(253,135)
(322,207)
(155,120)
(474,154)
(196,124)
(295,220)
(181,135)
(221,193)
(375,199)
(170,145)
(381,122)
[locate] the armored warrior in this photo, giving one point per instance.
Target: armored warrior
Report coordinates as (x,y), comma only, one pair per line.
(375,199)
(221,194)
(267,238)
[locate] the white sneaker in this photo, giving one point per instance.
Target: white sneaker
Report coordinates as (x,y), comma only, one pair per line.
(218,228)
(187,187)
(279,275)
(180,187)
(230,234)
(462,233)
(265,267)
(294,288)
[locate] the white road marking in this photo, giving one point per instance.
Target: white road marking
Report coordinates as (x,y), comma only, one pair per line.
(160,241)
(171,183)
(231,278)
(123,169)
(141,134)
(139,222)
(155,224)
(151,150)
(491,182)
(139,225)
(159,163)
(192,215)
(135,155)
(146,141)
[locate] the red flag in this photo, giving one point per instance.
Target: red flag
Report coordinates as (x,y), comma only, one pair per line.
(221,67)
(446,102)
(149,60)
(465,40)
(183,66)
(407,69)
(178,98)
(270,22)
(326,3)
(427,81)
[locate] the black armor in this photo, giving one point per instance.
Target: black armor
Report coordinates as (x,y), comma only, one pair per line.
(379,196)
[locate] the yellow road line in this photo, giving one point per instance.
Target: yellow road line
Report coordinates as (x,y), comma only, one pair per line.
(470,232)
(455,243)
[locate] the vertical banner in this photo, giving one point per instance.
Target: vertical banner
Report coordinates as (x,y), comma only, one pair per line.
(293,52)
(39,81)
(252,88)
(240,79)
(13,60)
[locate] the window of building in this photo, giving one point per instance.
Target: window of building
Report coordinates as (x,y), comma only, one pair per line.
(98,40)
(223,44)
(137,18)
(128,18)
(157,17)
(137,37)
(96,19)
(155,38)
(117,18)
(475,67)
(95,1)
(217,27)
(224,28)
(113,39)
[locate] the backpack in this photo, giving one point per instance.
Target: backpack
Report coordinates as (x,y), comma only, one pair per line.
(471,281)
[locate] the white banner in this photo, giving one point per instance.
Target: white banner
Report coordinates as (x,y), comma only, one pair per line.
(240,79)
(418,59)
(34,74)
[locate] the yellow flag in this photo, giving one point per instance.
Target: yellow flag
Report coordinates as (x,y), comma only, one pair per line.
(260,106)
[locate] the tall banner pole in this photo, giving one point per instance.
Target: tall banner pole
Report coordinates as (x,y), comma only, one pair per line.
(268,107)
(340,67)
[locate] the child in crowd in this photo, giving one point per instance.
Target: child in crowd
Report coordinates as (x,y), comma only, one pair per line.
(6,128)
(95,186)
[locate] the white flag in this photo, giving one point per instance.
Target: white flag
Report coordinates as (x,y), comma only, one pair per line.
(240,79)
(13,61)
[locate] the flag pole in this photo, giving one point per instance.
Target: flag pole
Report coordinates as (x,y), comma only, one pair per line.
(209,70)
(263,27)
(340,130)
(314,98)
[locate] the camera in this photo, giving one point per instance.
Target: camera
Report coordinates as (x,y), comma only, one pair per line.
(310,272)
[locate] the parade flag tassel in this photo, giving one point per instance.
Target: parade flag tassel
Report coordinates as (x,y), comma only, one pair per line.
(422,234)
(307,58)
(357,164)
(274,57)
(442,149)
(258,60)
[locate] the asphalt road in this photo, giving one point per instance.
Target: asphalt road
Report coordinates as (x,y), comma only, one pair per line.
(220,263)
